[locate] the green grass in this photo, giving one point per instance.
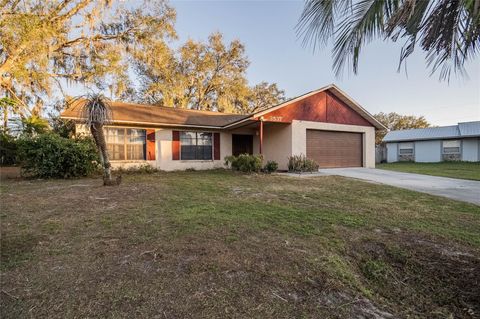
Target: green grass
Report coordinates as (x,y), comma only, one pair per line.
(462,170)
(219,244)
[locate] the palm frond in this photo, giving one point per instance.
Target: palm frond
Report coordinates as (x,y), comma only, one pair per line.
(317,21)
(447,30)
(96,108)
(364,24)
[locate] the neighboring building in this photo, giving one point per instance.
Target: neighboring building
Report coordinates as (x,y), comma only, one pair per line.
(435,144)
(325,124)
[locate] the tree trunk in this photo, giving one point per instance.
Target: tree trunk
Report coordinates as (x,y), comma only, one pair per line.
(5,113)
(99,137)
(5,118)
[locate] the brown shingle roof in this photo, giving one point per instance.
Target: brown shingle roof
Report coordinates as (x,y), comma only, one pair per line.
(148,115)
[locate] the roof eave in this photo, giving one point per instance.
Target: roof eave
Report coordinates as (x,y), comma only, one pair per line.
(430,138)
(151,124)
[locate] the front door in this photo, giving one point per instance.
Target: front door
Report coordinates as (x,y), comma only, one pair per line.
(242,144)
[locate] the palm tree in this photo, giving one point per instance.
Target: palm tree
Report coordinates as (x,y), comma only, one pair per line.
(447,30)
(96,112)
(33,125)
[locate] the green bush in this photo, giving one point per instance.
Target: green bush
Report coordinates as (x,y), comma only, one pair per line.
(301,163)
(245,162)
(270,167)
(8,149)
(52,156)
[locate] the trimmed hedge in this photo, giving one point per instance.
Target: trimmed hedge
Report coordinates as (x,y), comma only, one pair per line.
(52,156)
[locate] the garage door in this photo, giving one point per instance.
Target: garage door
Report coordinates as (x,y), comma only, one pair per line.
(335,149)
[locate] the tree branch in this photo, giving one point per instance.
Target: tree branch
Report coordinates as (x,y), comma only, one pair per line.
(81,5)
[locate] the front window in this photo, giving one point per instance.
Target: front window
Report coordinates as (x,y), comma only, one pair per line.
(195,146)
(451,147)
(125,143)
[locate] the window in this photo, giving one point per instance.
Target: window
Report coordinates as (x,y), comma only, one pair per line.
(406,152)
(405,149)
(125,143)
(451,147)
(195,146)
(451,150)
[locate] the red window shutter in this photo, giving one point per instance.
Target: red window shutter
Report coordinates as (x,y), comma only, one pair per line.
(216,146)
(175,145)
(151,145)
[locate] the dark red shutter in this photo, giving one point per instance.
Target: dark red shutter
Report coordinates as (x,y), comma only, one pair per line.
(175,145)
(150,145)
(216,146)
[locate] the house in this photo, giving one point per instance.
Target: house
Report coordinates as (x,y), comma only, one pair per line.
(435,144)
(325,124)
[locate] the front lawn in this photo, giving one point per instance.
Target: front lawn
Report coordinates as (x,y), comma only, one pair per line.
(463,170)
(223,245)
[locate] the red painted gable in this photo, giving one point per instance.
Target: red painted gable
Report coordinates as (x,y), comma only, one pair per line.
(320,107)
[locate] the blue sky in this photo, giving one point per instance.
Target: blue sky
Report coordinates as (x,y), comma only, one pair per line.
(267,30)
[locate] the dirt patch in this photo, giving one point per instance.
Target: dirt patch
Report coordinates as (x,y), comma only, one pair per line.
(9,172)
(420,273)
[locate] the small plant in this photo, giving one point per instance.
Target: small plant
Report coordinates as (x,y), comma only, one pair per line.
(374,270)
(270,167)
(245,162)
(301,163)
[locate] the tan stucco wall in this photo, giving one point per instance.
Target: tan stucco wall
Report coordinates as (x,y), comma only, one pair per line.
(164,160)
(280,141)
(163,149)
(277,143)
(299,137)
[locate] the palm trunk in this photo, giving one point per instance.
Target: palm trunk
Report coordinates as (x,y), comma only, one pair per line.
(99,137)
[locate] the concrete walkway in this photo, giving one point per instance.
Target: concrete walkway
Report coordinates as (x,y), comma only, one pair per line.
(459,189)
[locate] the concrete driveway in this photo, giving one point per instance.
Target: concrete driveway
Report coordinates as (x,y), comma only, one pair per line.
(459,189)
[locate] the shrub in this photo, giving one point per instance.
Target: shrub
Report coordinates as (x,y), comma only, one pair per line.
(8,149)
(270,167)
(301,163)
(245,162)
(52,156)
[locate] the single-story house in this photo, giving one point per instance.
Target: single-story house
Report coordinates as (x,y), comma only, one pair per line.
(325,125)
(435,144)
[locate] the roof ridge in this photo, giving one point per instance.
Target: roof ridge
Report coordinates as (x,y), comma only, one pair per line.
(121,103)
(468,122)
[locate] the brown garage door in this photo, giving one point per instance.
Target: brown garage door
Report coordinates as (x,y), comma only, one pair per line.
(335,149)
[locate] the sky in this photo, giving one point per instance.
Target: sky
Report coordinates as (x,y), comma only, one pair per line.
(267,29)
